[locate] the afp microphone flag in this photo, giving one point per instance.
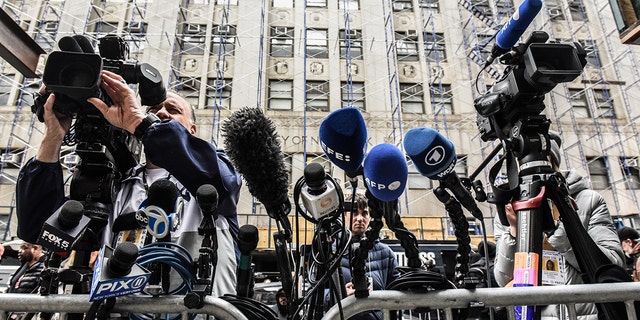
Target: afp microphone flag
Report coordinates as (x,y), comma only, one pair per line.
(343,138)
(385,172)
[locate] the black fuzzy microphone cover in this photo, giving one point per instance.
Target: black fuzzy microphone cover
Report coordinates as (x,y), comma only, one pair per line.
(251,142)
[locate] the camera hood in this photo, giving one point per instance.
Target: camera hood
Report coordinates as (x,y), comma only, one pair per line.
(72,73)
(548,64)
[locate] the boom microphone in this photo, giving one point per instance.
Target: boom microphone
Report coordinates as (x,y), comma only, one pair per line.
(64,228)
(514,28)
(247,242)
(343,138)
(435,157)
(251,143)
(385,172)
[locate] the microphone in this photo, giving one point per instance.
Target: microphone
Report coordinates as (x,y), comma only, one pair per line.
(435,157)
(163,208)
(64,227)
(252,144)
(319,196)
(116,273)
(247,242)
(514,28)
(207,197)
(385,172)
(343,138)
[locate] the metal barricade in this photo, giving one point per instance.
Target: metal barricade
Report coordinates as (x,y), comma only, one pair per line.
(74,303)
(447,300)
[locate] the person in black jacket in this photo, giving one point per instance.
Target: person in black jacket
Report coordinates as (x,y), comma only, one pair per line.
(27,278)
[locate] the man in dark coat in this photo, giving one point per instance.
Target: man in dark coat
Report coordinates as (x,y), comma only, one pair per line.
(27,278)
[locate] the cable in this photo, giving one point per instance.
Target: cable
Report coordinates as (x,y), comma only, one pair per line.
(252,309)
(179,259)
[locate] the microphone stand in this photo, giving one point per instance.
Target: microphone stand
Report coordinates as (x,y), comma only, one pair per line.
(537,183)
(208,259)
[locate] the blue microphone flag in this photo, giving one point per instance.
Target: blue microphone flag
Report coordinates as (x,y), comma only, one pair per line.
(518,23)
(386,172)
(343,138)
(433,155)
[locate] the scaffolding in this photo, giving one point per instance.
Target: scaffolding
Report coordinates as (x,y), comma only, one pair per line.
(300,59)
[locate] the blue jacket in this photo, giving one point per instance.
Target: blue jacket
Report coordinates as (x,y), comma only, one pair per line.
(381,267)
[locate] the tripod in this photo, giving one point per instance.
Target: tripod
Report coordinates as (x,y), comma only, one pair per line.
(532,182)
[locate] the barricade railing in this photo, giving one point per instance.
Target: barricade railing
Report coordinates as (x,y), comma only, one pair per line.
(448,300)
(74,303)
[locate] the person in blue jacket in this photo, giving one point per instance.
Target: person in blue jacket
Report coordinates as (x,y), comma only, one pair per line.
(381,262)
(172,152)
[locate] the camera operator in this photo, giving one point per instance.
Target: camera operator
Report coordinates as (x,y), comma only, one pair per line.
(172,151)
(595,218)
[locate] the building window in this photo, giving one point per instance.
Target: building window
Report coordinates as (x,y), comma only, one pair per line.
(6,84)
(484,7)
(411,98)
(441,99)
(577,10)
(579,103)
(282,41)
(348,4)
(593,58)
(280,95)
(402,5)
(504,8)
(629,166)
(598,173)
(218,94)
(554,9)
(407,45)
(432,6)
(282,3)
(484,46)
(106,27)
(351,43)
(461,167)
(223,41)
(317,44)
(317,95)
(435,47)
(137,28)
(353,96)
(604,103)
(193,38)
(227,2)
(317,3)
(189,89)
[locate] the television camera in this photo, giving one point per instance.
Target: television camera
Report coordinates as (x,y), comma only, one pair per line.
(73,74)
(533,69)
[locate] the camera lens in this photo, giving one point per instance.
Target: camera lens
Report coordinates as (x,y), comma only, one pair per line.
(77,75)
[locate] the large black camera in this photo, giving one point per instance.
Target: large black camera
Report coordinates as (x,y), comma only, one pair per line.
(73,75)
(533,69)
